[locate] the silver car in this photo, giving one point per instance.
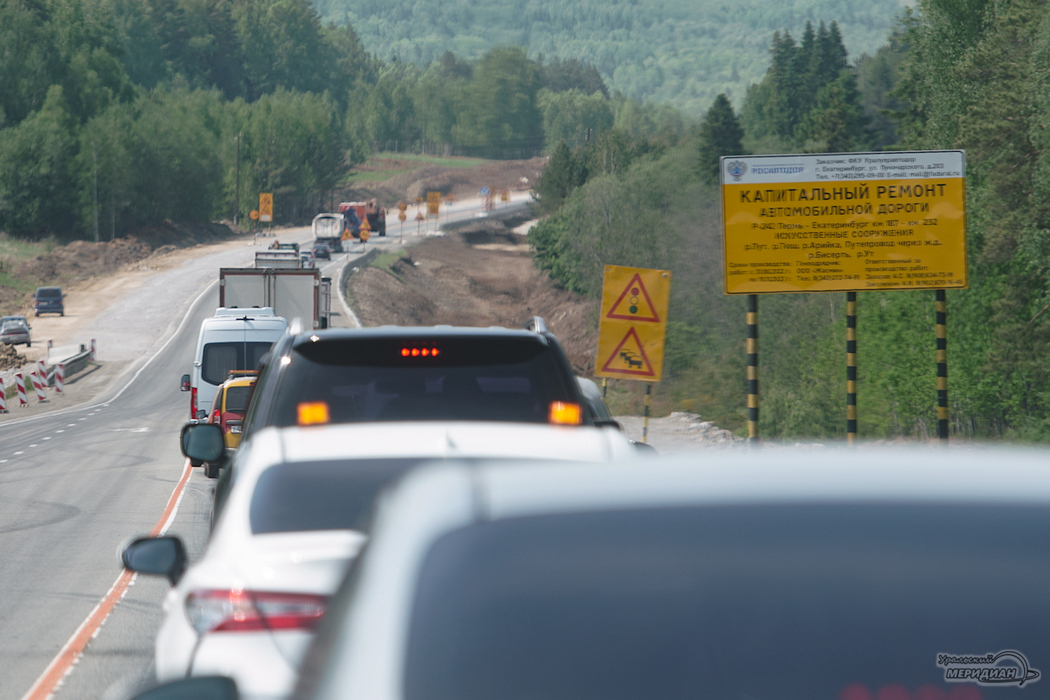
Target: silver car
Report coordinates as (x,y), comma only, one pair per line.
(15,332)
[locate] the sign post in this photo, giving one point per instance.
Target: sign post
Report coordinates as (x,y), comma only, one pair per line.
(846,222)
(632,327)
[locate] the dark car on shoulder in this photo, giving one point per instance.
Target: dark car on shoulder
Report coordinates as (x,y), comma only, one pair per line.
(49,300)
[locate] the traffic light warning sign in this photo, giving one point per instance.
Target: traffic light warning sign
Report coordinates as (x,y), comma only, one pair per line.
(633,323)
(634,303)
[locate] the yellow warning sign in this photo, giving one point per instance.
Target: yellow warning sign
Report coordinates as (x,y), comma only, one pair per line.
(633,323)
(844,222)
(266,206)
(634,303)
(629,358)
(433,203)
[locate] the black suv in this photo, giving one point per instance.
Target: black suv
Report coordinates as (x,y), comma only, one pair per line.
(394,373)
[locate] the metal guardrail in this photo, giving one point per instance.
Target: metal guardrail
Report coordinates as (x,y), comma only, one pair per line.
(73,365)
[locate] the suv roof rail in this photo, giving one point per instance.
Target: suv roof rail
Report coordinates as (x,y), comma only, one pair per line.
(536,324)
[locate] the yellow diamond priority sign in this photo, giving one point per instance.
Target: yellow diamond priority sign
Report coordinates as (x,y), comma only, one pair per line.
(633,323)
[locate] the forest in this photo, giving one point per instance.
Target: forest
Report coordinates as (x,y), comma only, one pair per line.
(677,52)
(119,114)
(951,75)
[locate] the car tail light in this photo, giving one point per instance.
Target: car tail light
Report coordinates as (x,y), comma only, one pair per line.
(239,610)
(193,403)
(564,413)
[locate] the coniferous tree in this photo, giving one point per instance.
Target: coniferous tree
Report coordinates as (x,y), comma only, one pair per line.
(720,135)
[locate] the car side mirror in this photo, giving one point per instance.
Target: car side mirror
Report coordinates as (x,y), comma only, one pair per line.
(160,556)
(644,448)
(185,383)
(202,688)
(203,442)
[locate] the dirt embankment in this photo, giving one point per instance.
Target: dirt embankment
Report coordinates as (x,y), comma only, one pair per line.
(81,260)
(478,276)
(461,183)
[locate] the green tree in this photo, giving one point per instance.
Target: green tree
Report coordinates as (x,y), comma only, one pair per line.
(720,135)
(499,115)
(574,117)
(37,183)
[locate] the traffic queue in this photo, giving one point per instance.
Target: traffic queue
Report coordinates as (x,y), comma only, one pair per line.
(449,513)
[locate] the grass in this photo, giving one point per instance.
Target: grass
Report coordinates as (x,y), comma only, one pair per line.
(21,250)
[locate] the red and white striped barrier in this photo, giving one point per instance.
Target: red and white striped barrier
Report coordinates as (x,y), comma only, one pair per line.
(20,383)
(38,387)
(41,371)
(60,377)
(3,396)
(92,349)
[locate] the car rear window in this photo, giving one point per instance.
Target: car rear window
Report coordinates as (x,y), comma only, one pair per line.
(469,378)
(219,358)
(237,398)
(824,602)
(328,495)
(48,292)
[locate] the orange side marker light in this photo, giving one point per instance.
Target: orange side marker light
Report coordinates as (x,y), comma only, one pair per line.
(313,413)
(563,413)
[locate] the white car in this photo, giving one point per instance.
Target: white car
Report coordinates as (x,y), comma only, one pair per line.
(297,513)
(765,575)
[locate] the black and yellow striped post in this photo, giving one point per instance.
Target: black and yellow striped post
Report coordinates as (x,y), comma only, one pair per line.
(851,367)
(645,414)
(942,364)
(752,367)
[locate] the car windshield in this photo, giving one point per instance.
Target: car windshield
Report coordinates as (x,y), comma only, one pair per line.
(330,495)
(468,378)
(219,358)
(821,602)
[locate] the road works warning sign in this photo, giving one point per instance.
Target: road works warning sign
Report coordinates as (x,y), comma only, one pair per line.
(844,222)
(633,323)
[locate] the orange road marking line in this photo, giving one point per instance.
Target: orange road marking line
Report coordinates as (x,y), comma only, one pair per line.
(62,664)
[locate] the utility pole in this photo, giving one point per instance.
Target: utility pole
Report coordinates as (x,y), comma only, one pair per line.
(94,160)
(237,210)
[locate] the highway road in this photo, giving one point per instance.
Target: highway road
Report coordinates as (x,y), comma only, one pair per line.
(77,481)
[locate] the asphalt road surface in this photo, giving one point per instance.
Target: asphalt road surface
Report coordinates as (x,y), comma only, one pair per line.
(77,479)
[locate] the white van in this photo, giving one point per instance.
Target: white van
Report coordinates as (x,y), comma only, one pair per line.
(231,339)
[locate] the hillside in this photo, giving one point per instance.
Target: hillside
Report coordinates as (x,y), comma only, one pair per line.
(682,52)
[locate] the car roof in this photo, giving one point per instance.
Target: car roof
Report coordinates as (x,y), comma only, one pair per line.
(437,499)
(437,439)
(374,332)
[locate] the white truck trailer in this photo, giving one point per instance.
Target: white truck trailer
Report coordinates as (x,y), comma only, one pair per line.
(291,293)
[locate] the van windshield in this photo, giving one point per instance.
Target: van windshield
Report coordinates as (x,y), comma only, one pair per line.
(219,358)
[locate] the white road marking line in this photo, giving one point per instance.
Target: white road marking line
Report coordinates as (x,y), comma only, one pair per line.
(47,438)
(33,445)
(22,452)
(60,431)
